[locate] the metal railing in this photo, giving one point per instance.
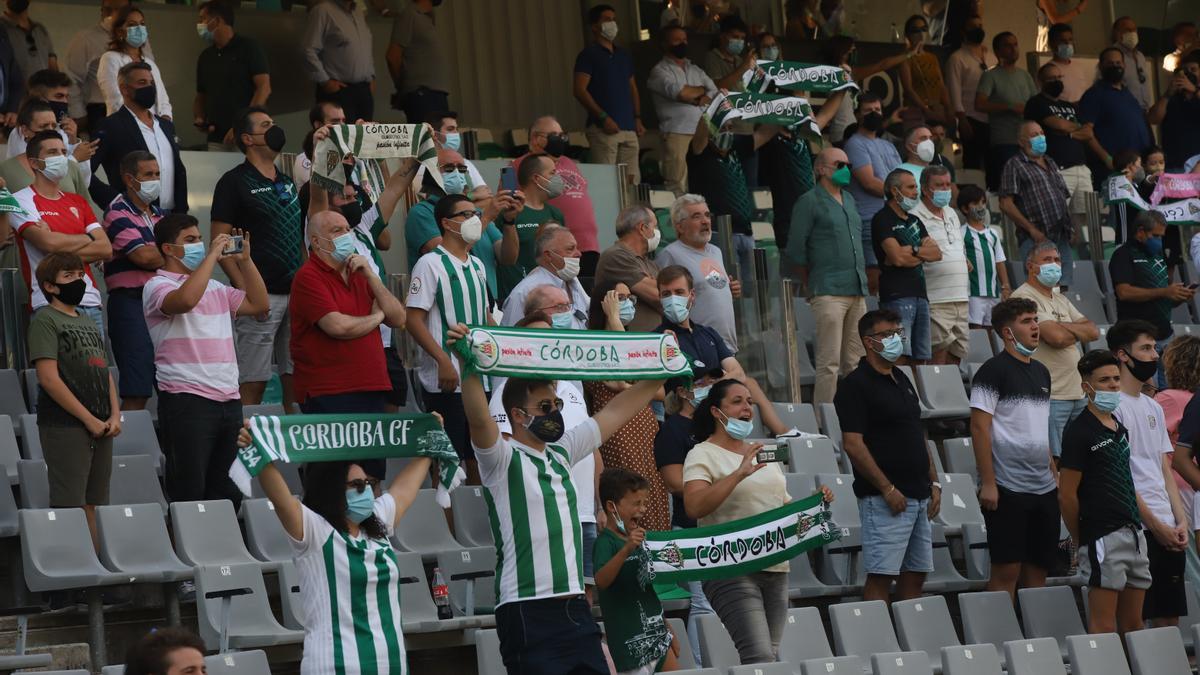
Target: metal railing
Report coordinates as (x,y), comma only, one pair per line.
(13,319)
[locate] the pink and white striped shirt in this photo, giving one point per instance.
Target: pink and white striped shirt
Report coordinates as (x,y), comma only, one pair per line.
(194,352)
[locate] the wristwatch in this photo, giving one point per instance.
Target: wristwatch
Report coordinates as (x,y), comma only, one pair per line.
(90,235)
(936,485)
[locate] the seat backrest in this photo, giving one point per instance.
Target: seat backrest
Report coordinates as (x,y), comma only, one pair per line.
(799,485)
(253,662)
(901,663)
(291,476)
(844,508)
(980,348)
(1039,656)
(35,484)
(207,533)
(251,609)
(812,456)
(113,670)
(30,439)
(799,415)
(137,435)
(716,647)
(423,528)
(1157,651)
(471,524)
(134,537)
(971,660)
(134,480)
(393,468)
(935,456)
(1097,655)
(415,597)
(1192,617)
(942,386)
(924,624)
(265,537)
(833,665)
(960,501)
(862,628)
(9,525)
(763,669)
(1050,612)
(470,561)
(959,455)
(831,426)
(687,660)
(56,549)
(988,616)
(487,652)
(803,636)
(29,381)
(262,409)
(12,398)
(10,451)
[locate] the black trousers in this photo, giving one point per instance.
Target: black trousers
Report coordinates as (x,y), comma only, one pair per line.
(200,441)
(421,103)
(357,101)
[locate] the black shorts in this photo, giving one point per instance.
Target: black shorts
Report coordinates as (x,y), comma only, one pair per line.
(553,635)
(398,396)
(1166,597)
(1024,528)
(454,419)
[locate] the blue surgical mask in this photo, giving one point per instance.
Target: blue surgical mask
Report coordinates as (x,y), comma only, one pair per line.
(737,429)
(675,308)
(1064,52)
(1155,246)
(193,255)
(563,320)
(627,311)
(359,505)
(1106,401)
(941,198)
(1037,145)
(1049,274)
(700,393)
(343,246)
(891,347)
(736,46)
(1021,349)
(909,203)
(454,183)
(770,53)
(453,141)
(136,36)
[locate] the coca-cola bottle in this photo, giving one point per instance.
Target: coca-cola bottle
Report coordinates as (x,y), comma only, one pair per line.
(441,595)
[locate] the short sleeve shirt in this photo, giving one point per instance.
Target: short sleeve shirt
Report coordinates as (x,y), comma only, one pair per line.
(1143,417)
(225,76)
(701,344)
(68,214)
(898,282)
(671,446)
(528,222)
(452,291)
(128,228)
(1062,362)
(1133,264)
(609,73)
(270,211)
(983,251)
(1064,150)
(1008,86)
(425,63)
(714,299)
(1107,500)
(76,344)
(419,228)
(637,633)
(619,264)
(1017,396)
(194,351)
(1120,122)
(882,158)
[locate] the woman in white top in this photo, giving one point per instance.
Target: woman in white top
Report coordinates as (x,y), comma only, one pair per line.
(722,481)
(129,36)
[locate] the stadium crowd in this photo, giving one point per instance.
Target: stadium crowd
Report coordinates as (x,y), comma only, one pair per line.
(577,472)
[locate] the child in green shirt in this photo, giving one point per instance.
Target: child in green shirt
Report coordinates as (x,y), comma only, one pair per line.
(639,639)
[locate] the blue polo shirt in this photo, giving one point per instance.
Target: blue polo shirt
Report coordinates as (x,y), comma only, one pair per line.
(609,86)
(702,345)
(1119,121)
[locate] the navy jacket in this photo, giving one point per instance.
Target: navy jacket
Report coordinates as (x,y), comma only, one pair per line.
(119,135)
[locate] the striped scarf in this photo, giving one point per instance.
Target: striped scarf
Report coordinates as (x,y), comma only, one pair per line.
(815,79)
(1183,212)
(371,142)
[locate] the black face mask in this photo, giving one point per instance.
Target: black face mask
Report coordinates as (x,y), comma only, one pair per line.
(556,145)
(873,121)
(1142,371)
(275,138)
(1112,74)
(59,108)
(975,36)
(1053,89)
(145,96)
(679,51)
(71,293)
(547,428)
(352,212)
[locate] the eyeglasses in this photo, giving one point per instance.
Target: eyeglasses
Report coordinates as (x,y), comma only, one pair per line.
(453,167)
(545,406)
(883,335)
(466,213)
(556,309)
(361,484)
(627,296)
(839,165)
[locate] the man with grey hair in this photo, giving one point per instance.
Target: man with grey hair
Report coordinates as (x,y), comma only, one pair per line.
(1034,195)
(714,289)
(1061,329)
(919,150)
(558,261)
(628,261)
(947,283)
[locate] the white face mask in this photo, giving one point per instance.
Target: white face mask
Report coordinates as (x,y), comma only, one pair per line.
(471,229)
(570,269)
(56,167)
(149,190)
(654,240)
(608,30)
(926,150)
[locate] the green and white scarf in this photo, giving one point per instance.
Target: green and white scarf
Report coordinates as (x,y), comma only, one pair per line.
(1183,212)
(810,77)
(572,355)
(791,112)
(299,439)
(371,142)
(740,546)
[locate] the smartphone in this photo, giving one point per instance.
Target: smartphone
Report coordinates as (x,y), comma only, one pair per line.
(508,179)
(234,246)
(772,453)
(1193,286)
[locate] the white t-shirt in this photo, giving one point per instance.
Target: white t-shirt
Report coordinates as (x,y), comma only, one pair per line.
(947,279)
(1148,442)
(574,413)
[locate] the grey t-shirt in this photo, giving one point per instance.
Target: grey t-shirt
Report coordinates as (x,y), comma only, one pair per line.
(1010,87)
(424,62)
(714,300)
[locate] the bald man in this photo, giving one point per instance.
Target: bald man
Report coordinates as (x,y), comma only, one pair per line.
(1034,195)
(825,249)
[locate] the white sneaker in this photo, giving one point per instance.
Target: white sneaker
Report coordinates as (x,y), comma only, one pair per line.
(796,433)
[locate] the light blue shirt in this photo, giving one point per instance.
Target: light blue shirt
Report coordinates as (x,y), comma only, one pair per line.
(882,157)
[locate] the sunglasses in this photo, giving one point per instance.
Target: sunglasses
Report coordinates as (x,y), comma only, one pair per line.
(453,167)
(545,406)
(361,484)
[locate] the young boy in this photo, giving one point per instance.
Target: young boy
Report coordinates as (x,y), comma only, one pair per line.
(78,410)
(985,257)
(639,638)
(1099,503)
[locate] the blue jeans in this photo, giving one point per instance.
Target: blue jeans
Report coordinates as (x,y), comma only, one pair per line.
(589,542)
(96,314)
(1061,414)
(743,245)
(554,635)
(1064,252)
(914,318)
(895,542)
(1160,376)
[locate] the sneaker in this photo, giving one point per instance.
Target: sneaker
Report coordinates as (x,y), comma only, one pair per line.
(187,591)
(796,433)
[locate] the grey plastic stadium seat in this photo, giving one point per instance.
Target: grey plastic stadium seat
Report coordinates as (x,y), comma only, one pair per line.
(487,652)
(134,541)
(942,390)
(57,552)
(423,528)
(249,411)
(799,485)
(1101,341)
(839,563)
(763,669)
(716,647)
(834,665)
(978,557)
(862,629)
(799,415)
(980,348)
(971,660)
(290,601)
(803,637)
(29,381)
(988,616)
(803,582)
(901,663)
(831,426)
(935,456)
(265,537)
(1039,656)
(945,577)
(926,411)
(78,671)
(253,662)
(12,400)
(960,502)
(395,465)
(1181,315)
(812,456)
(27,429)
(1092,305)
(10,450)
(134,480)
(420,614)
(1157,651)
(250,621)
(1193,614)
(137,436)
(113,670)
(687,660)
(9,525)
(35,486)
(960,456)
(1050,612)
(924,625)
(1097,655)
(1086,282)
(291,476)
(470,573)
(207,533)
(471,524)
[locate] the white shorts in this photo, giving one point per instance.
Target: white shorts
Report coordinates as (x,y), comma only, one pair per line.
(979,310)
(1079,183)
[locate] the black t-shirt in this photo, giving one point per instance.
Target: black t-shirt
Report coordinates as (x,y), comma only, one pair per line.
(1107,500)
(898,282)
(270,212)
(1132,264)
(671,446)
(886,411)
(786,166)
(703,345)
(226,79)
(722,181)
(1064,150)
(1181,131)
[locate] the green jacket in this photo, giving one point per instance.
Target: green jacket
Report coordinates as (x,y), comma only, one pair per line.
(826,238)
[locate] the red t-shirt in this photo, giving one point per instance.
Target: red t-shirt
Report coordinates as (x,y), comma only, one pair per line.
(69,214)
(324,364)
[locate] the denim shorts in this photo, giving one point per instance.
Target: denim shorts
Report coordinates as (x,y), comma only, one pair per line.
(914,318)
(589,542)
(1061,414)
(895,543)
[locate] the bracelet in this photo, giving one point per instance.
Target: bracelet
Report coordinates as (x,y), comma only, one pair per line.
(90,235)
(891,489)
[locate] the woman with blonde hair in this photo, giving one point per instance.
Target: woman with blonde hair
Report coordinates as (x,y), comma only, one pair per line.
(1181,364)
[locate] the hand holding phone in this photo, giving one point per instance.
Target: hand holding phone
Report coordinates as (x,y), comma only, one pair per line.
(508,179)
(233,246)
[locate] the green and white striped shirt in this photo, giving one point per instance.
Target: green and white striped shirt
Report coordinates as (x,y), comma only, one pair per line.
(533,508)
(453,291)
(351,595)
(984,250)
